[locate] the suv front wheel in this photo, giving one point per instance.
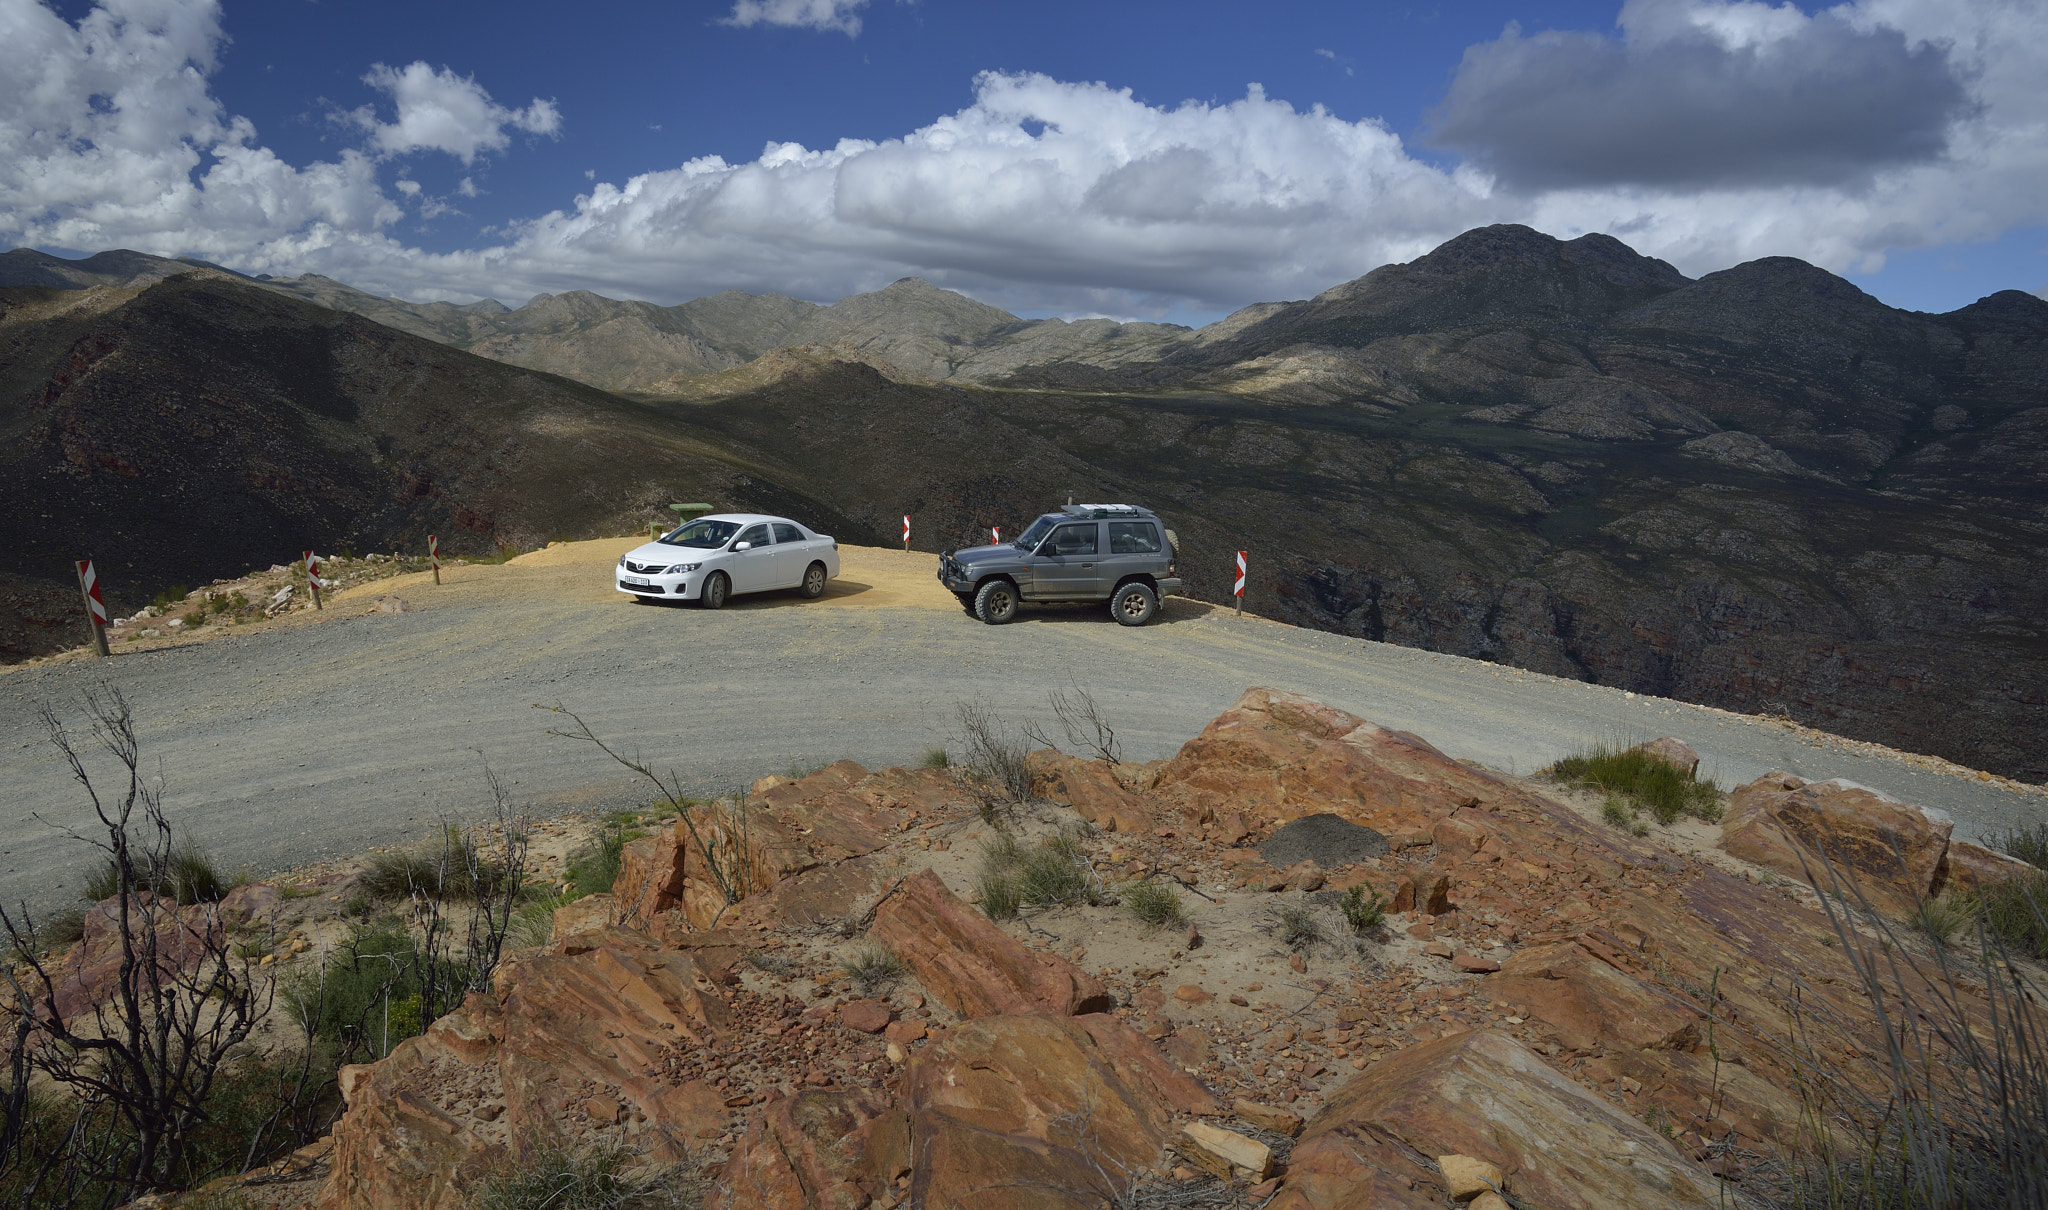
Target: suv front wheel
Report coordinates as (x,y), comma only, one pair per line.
(1134,604)
(996,602)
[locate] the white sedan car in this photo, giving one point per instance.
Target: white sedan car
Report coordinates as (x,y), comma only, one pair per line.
(714,558)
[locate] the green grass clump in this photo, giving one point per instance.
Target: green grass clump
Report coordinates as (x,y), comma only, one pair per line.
(2029,844)
(935,758)
(1298,927)
(1154,904)
(607,1177)
(995,883)
(1941,919)
(872,968)
(1360,912)
(1642,783)
(449,869)
(594,868)
(187,873)
(366,997)
(2016,912)
(1055,872)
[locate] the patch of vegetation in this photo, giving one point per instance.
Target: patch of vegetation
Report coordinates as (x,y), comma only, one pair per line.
(774,964)
(184,872)
(995,883)
(607,1177)
(594,868)
(1360,912)
(1940,919)
(872,968)
(1619,814)
(365,999)
(2015,912)
(934,758)
(449,869)
(1056,871)
(1298,927)
(1641,782)
(170,596)
(2029,844)
(1154,904)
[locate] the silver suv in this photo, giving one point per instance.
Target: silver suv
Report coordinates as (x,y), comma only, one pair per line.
(1084,552)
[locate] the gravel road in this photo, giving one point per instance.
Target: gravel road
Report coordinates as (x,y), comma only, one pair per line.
(314,738)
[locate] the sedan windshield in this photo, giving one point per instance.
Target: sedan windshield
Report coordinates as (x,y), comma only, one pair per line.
(703,535)
(1036,534)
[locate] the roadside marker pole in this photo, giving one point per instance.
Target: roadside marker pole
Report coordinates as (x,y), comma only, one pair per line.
(997,530)
(434,555)
(906,533)
(313,578)
(95,607)
(1239,590)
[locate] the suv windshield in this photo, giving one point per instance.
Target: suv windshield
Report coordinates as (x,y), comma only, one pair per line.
(1036,534)
(703,535)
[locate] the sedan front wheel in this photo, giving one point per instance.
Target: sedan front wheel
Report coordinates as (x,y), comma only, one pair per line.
(714,592)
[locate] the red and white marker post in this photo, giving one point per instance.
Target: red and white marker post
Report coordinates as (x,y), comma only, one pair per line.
(997,530)
(434,555)
(906,533)
(313,578)
(1238,591)
(95,606)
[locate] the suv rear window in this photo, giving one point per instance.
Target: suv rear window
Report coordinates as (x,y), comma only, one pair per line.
(1133,538)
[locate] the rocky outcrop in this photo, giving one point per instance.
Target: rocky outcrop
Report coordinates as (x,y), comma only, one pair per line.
(1490,1098)
(1830,831)
(972,966)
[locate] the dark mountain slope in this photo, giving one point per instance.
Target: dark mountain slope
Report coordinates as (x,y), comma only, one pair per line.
(191,429)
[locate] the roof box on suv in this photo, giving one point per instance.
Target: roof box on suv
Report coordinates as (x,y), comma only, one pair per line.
(1103,510)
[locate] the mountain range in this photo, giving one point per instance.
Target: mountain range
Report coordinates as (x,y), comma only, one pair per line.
(1761,489)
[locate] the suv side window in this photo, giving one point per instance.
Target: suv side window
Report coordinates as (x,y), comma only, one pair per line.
(757,534)
(1072,540)
(787,533)
(1133,538)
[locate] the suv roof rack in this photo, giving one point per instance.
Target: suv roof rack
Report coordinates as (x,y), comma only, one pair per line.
(1103,510)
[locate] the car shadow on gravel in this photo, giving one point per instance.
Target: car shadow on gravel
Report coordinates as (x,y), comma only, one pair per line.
(1172,610)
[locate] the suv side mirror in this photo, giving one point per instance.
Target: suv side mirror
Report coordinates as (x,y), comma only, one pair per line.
(743,546)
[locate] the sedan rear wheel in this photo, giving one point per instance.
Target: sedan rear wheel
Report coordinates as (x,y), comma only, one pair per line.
(714,592)
(1134,605)
(814,581)
(996,603)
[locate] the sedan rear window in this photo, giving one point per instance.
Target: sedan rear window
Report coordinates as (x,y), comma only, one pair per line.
(787,533)
(703,535)
(1133,538)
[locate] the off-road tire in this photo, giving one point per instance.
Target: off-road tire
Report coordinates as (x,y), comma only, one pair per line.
(814,581)
(715,591)
(996,602)
(1134,605)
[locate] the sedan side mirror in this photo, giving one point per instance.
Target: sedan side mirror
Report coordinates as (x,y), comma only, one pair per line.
(743,546)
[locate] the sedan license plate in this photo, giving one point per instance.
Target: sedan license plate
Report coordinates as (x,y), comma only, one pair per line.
(636,580)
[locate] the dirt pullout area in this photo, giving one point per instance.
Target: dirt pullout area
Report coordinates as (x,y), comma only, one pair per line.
(312,736)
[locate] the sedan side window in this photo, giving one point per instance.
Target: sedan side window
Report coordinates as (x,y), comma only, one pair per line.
(756,534)
(1073,540)
(1133,538)
(787,533)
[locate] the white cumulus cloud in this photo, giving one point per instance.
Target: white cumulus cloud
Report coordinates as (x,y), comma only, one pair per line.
(840,15)
(1041,194)
(441,111)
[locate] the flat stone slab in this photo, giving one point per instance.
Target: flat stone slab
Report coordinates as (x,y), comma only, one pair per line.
(1327,840)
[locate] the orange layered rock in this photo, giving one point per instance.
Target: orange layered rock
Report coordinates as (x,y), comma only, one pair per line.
(1040,1110)
(817,1150)
(1091,788)
(973,967)
(1489,1097)
(1894,853)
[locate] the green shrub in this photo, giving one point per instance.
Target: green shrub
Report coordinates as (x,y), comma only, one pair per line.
(1298,927)
(1055,872)
(997,892)
(187,873)
(594,868)
(1362,913)
(359,998)
(1154,904)
(935,758)
(2029,844)
(2016,913)
(1641,782)
(449,869)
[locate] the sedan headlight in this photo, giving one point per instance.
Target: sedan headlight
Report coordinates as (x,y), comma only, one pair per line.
(676,567)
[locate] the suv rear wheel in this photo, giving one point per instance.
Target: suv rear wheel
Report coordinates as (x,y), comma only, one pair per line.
(996,602)
(1134,604)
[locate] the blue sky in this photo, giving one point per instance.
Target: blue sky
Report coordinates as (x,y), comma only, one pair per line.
(1161,160)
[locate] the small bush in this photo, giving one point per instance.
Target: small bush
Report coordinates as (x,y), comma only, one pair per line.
(2016,913)
(935,758)
(1055,872)
(2029,844)
(604,1178)
(1642,782)
(363,992)
(1298,927)
(1154,904)
(449,869)
(872,968)
(594,868)
(1940,919)
(186,873)
(997,892)
(533,923)
(1360,912)
(774,964)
